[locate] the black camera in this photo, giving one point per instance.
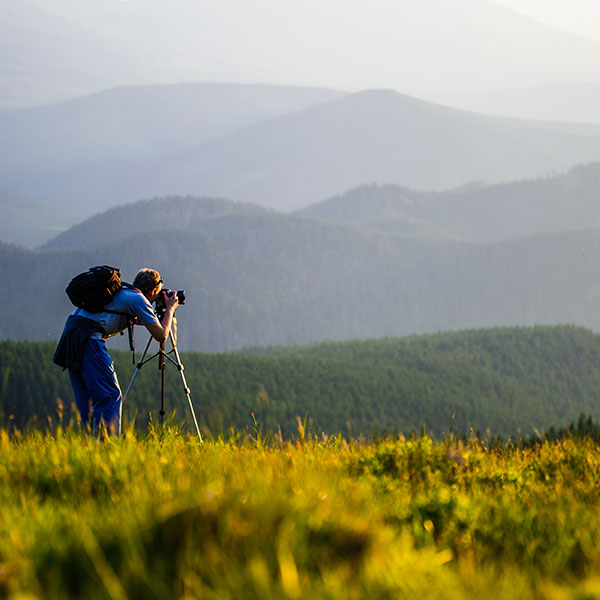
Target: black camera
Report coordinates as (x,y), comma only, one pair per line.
(180,295)
(160,300)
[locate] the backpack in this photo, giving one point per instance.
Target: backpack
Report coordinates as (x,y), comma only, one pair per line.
(95,288)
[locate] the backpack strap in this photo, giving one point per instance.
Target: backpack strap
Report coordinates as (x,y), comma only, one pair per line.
(130,323)
(130,319)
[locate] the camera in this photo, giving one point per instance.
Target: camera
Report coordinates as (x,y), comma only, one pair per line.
(169,294)
(160,300)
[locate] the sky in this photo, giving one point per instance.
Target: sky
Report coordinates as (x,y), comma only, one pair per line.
(581,17)
(411,46)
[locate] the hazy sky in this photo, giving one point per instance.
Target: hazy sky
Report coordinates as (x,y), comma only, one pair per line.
(581,17)
(577,16)
(411,46)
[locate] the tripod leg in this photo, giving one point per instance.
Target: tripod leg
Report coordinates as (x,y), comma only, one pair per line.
(137,370)
(161,366)
(185,385)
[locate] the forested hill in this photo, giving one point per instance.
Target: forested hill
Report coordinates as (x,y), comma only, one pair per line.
(501,381)
(148,216)
(256,278)
(477,212)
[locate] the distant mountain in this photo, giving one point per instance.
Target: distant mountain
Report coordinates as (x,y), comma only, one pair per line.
(566,102)
(57,49)
(26,223)
(480,212)
(135,122)
(376,136)
(295,160)
(147,216)
(63,151)
(254,277)
(47,56)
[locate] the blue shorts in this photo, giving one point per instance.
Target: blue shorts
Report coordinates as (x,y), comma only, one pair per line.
(96,388)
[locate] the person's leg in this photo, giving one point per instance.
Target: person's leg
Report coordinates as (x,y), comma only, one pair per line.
(83,397)
(98,372)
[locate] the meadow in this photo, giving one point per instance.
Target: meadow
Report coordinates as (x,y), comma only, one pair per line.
(162,515)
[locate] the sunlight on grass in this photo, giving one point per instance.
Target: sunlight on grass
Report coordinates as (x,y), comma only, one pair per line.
(165,517)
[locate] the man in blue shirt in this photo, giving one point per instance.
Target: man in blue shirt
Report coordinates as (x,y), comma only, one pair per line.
(91,369)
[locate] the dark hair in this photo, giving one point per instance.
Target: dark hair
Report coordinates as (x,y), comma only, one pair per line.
(146,280)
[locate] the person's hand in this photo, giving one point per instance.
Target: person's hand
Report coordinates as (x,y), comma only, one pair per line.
(171,301)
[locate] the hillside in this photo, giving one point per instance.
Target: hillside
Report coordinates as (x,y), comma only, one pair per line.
(139,122)
(298,159)
(256,278)
(71,157)
(478,212)
(26,223)
(295,160)
(503,381)
(147,216)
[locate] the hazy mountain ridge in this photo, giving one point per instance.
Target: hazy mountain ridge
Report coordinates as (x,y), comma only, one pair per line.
(381,136)
(85,47)
(294,160)
(256,277)
(47,57)
(26,223)
(140,121)
(69,153)
(146,216)
(479,213)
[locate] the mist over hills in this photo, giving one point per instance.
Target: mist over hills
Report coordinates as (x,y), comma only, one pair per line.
(255,277)
(48,57)
(133,122)
(74,155)
(381,136)
(147,216)
(567,102)
(478,212)
(57,49)
(297,159)
(25,222)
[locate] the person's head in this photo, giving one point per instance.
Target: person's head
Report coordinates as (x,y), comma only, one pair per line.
(149,282)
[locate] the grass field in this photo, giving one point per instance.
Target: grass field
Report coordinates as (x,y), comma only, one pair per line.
(167,517)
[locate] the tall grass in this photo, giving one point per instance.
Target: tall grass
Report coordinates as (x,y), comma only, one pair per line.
(164,516)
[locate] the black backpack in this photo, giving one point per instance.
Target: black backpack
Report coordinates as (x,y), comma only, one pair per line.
(95,288)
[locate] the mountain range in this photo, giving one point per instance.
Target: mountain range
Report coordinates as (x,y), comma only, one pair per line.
(477,212)
(256,277)
(55,50)
(280,148)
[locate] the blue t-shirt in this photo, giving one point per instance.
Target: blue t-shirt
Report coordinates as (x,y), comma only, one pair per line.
(127,300)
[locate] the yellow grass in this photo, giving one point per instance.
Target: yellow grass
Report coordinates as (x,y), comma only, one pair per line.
(168,517)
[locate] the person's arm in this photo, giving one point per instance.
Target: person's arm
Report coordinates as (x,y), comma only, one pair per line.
(160,331)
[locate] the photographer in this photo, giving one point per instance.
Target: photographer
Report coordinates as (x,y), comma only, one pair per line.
(82,347)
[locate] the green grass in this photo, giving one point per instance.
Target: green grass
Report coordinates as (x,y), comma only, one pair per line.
(167,517)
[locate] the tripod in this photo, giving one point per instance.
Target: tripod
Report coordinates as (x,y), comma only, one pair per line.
(162,358)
